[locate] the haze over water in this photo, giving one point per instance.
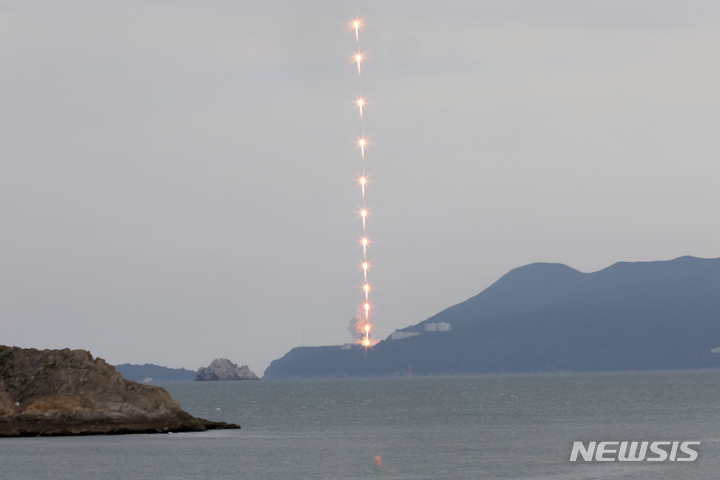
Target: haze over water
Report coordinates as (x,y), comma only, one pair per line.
(462,427)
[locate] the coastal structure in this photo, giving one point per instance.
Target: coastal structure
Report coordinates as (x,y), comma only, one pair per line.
(438,327)
(398,335)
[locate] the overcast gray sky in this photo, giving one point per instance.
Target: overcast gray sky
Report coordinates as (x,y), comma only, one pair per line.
(177,179)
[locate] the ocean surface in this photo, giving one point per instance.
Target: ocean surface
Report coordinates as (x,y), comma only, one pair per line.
(455,427)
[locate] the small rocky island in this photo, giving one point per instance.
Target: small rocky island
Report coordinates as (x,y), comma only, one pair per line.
(68,392)
(224,369)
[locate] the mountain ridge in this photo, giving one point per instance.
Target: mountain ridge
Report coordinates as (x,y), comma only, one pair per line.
(544,317)
(149,372)
(576,283)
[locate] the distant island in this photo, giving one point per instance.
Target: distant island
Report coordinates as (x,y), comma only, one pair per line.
(150,373)
(68,392)
(548,317)
(222,369)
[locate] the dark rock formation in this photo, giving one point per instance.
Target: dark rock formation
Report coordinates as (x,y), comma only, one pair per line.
(67,392)
(224,369)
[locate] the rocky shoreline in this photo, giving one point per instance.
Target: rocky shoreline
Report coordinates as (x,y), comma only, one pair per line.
(68,392)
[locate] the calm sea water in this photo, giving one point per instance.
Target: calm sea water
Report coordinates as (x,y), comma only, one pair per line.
(463,427)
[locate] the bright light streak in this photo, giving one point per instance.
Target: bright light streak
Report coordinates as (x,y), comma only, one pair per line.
(359,59)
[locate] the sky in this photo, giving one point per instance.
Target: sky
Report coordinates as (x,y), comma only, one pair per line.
(178,179)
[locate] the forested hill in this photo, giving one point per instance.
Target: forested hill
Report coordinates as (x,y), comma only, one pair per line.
(549,317)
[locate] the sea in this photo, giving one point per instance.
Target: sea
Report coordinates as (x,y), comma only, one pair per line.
(516,426)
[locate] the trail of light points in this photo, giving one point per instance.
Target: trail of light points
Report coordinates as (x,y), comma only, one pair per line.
(360,102)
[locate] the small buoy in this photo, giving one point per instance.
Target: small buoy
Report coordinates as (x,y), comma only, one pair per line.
(378,460)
